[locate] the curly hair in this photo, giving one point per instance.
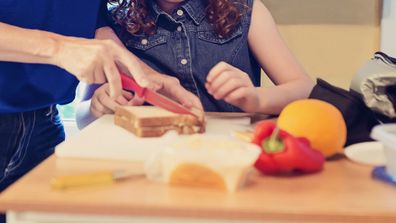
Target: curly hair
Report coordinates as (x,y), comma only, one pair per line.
(224,15)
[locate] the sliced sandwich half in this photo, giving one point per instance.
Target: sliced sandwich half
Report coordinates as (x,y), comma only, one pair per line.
(150,121)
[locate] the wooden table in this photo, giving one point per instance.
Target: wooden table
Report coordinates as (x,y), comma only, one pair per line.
(343,192)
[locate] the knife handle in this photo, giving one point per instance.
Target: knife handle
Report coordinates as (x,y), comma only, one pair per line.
(128,83)
(72,181)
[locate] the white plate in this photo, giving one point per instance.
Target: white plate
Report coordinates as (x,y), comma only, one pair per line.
(368,153)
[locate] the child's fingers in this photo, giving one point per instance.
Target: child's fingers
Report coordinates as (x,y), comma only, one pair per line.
(216,71)
(237,96)
(219,81)
(227,88)
(127,95)
(136,101)
(105,100)
(97,113)
(98,105)
(121,100)
(124,98)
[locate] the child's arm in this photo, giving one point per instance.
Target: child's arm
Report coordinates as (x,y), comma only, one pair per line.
(232,85)
(278,62)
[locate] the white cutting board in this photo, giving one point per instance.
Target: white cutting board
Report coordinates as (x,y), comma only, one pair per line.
(104,140)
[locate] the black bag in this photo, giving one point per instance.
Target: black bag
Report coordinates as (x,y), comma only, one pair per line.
(370,101)
(359,118)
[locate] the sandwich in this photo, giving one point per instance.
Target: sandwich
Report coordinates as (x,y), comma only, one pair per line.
(151,121)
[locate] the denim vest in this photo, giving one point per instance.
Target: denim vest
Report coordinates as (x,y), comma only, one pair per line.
(186,47)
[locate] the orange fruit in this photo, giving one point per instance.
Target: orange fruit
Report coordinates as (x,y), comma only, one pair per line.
(318,121)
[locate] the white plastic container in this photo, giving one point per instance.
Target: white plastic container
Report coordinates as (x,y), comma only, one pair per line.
(228,158)
(386,134)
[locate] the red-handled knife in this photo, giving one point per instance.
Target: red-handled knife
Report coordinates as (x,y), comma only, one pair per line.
(156,99)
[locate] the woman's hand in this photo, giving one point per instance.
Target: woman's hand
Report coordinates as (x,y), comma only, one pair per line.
(98,61)
(171,87)
(102,103)
(228,83)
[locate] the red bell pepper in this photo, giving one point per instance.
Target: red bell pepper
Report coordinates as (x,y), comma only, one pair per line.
(284,153)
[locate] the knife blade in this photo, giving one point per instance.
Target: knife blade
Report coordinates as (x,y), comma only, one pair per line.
(157,99)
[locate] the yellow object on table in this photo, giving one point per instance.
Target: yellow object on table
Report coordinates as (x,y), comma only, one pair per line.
(90,179)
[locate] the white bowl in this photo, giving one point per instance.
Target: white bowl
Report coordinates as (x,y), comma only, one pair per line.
(386,134)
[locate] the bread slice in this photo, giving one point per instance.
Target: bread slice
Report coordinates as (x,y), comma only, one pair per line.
(150,121)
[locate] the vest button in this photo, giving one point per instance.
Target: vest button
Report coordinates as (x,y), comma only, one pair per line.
(184,61)
(180,12)
(144,42)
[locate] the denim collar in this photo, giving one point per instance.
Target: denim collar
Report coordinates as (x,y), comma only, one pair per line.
(195,9)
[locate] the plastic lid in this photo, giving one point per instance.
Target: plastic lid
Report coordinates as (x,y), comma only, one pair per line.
(385,133)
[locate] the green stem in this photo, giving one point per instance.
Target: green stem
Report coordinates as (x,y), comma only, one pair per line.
(273,144)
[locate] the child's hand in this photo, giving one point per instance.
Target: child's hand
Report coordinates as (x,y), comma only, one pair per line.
(228,83)
(102,103)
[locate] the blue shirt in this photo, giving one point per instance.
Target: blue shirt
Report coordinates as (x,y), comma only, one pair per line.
(26,87)
(186,47)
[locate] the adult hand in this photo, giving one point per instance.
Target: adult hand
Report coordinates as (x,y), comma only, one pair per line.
(102,103)
(228,83)
(98,61)
(171,87)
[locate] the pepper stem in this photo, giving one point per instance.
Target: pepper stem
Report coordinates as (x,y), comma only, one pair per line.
(273,144)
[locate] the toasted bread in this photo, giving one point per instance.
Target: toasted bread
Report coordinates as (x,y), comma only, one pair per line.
(150,121)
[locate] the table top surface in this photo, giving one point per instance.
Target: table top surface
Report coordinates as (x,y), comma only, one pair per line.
(343,191)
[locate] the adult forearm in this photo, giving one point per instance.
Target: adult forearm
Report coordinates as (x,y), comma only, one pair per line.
(27,45)
(108,33)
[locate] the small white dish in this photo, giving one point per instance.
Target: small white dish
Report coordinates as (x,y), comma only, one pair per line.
(368,153)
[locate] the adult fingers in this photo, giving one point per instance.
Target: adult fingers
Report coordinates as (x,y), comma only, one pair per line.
(99,75)
(173,89)
(113,78)
(131,63)
(195,101)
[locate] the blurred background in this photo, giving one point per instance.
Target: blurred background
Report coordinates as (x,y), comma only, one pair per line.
(333,38)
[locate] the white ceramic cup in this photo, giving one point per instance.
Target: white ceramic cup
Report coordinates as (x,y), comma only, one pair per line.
(386,134)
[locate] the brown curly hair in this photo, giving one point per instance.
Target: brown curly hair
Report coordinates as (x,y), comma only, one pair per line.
(224,15)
